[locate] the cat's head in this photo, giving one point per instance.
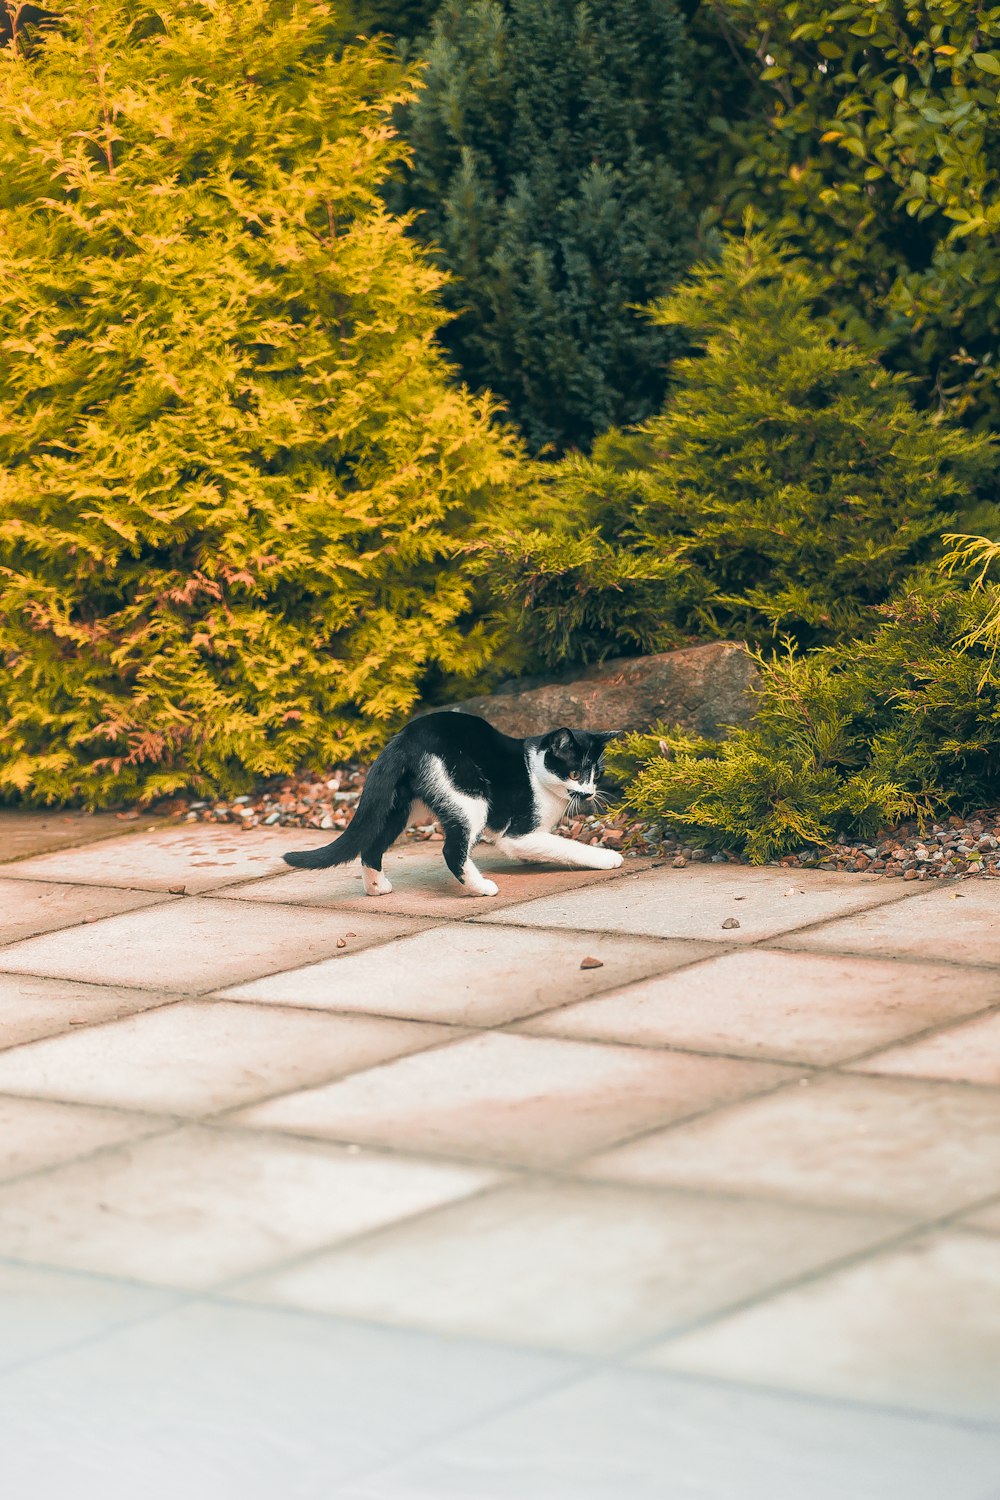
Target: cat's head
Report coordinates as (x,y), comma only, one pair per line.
(573,758)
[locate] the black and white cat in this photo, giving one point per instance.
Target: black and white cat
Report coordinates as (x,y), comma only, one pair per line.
(478,783)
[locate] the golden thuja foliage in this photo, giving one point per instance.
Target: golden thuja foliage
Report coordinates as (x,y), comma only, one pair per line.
(236,485)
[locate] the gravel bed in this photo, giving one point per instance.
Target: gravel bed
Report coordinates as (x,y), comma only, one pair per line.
(954,848)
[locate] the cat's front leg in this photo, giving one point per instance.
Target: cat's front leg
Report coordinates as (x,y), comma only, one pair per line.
(550,848)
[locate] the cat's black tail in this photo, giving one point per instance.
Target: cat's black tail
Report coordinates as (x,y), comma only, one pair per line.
(372,814)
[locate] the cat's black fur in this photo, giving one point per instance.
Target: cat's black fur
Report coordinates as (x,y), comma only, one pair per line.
(477,782)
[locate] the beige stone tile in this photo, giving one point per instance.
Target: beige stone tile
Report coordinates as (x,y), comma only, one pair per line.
(969,1053)
(694,903)
(27,907)
(198,1206)
(803,1007)
(628,1434)
(32,1008)
(27,833)
(911,1148)
(986,1219)
(194,945)
(42,1312)
(422,884)
(960,923)
(917,1326)
(38,1133)
(535,1100)
(574,1266)
(199,856)
(466,974)
(219,1401)
(198,1057)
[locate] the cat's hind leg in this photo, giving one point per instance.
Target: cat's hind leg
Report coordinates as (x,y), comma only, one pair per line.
(459,837)
(376,883)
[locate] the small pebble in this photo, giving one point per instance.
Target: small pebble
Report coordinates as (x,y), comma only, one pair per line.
(730,922)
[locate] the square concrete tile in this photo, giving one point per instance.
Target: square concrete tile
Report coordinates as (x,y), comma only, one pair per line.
(917,1326)
(694,903)
(31,1008)
(919,1149)
(194,945)
(27,907)
(197,1057)
(534,1100)
(467,975)
(987,1219)
(210,1402)
(38,1133)
(199,856)
(42,1312)
(628,1435)
(422,886)
(960,923)
(198,1206)
(969,1053)
(799,1007)
(26,833)
(585,1267)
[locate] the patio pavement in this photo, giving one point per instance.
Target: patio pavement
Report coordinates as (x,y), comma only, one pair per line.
(309,1195)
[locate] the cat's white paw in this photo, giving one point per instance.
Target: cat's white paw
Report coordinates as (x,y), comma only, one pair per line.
(488,888)
(611,859)
(376,884)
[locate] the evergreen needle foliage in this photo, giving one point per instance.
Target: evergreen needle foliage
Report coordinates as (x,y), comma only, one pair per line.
(847,738)
(549,142)
(786,488)
(235,480)
(873,149)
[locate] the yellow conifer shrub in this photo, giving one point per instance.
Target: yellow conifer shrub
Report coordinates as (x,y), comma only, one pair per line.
(235,481)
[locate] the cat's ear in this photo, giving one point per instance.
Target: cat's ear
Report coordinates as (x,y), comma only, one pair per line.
(559,741)
(609,734)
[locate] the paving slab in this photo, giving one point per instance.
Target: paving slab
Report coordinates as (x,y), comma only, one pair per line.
(626,1435)
(27,907)
(198,1206)
(987,1219)
(192,945)
(968,1053)
(466,974)
(853,1333)
(39,1133)
(43,1312)
(795,1007)
(32,1008)
(907,1147)
(694,903)
(960,923)
(422,884)
(199,856)
(215,1402)
(26,833)
(199,1057)
(586,1268)
(536,1101)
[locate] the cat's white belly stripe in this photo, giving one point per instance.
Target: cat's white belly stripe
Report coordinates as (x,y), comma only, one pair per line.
(471,810)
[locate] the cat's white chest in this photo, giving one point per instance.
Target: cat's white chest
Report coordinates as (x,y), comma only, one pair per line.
(549,805)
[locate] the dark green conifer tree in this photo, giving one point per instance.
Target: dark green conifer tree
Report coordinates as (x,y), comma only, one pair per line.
(786,488)
(548,148)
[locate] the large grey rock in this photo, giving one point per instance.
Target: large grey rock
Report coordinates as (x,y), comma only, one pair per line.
(699,688)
